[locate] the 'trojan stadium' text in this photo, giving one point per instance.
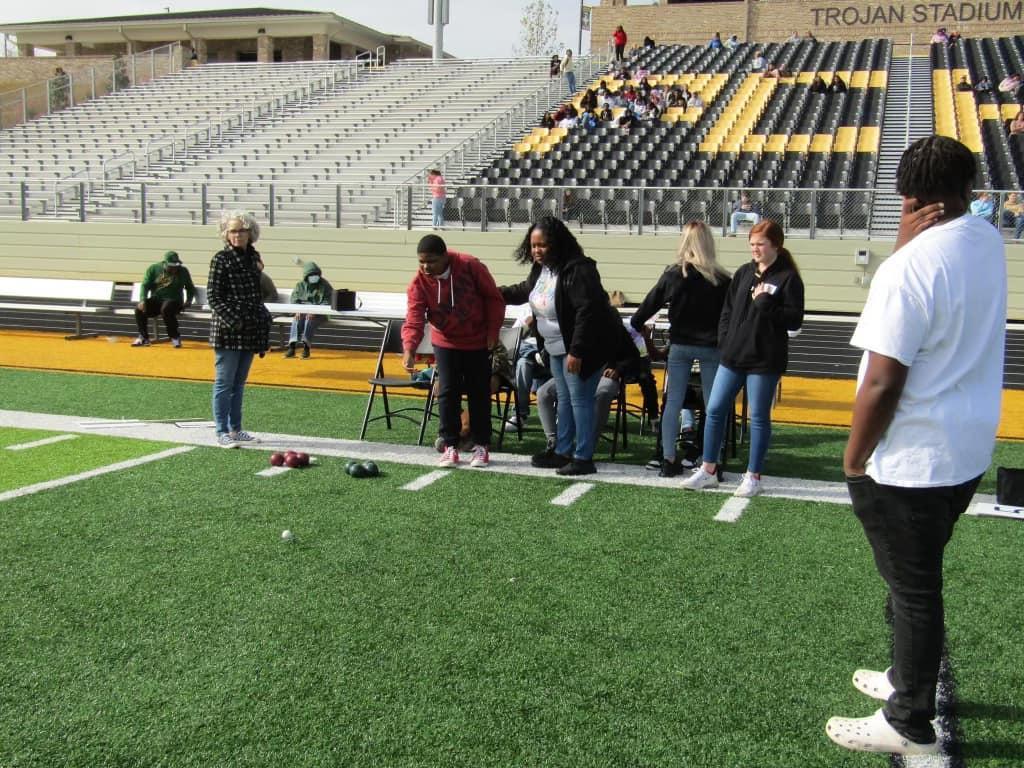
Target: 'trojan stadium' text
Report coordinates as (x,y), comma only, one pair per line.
(917,13)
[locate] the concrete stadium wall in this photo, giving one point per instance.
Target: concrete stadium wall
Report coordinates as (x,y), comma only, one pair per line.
(776,20)
(384,260)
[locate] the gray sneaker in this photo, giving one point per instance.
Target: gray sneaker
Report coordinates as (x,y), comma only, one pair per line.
(244,437)
(224,440)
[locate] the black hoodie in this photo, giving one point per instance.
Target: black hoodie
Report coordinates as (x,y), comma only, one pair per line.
(753,333)
(694,306)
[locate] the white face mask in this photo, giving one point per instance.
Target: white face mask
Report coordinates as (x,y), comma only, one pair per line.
(313,279)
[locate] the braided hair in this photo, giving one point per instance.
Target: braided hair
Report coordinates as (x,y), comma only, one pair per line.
(936,167)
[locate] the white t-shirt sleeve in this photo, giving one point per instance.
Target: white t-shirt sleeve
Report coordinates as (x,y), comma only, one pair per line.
(895,321)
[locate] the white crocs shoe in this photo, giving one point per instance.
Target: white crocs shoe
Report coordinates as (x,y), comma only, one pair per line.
(874,684)
(874,734)
(699,480)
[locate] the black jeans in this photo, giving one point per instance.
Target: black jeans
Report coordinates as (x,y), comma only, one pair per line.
(461,372)
(168,310)
(908,529)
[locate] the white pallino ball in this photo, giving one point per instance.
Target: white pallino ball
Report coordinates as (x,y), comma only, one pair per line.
(287,536)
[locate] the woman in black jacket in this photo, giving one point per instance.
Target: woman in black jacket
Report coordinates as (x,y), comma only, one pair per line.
(694,288)
(575,323)
(764,303)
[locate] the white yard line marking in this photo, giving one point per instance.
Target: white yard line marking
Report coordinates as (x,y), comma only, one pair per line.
(40,443)
(30,489)
(271,471)
(424,480)
(570,494)
(732,509)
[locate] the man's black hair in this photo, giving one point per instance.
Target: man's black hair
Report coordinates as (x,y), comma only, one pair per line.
(935,167)
(432,244)
(562,246)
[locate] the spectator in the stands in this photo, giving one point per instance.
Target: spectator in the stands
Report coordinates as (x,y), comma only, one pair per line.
(602,89)
(777,71)
(732,42)
(555,67)
(571,120)
(954,37)
(696,102)
(548,121)
(1013,209)
(715,42)
(743,209)
(639,107)
(964,85)
(983,86)
(165,291)
(818,85)
(649,42)
(588,120)
(810,36)
(837,85)
(619,41)
(606,116)
(569,70)
(984,206)
(794,38)
(1011,84)
(314,290)
(588,100)
(758,63)
(626,120)
(438,195)
(1017,124)
(940,36)
(675,98)
(629,94)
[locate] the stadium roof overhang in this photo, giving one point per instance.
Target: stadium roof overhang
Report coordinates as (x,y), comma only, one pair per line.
(209,25)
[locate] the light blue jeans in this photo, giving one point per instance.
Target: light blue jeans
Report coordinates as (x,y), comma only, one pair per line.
(680,361)
(570,81)
(760,391)
(437,211)
(304,328)
(231,369)
(576,397)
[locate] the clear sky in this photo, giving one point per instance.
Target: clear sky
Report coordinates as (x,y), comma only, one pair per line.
(478,28)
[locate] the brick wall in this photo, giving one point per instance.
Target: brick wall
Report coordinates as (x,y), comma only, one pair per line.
(776,20)
(18,72)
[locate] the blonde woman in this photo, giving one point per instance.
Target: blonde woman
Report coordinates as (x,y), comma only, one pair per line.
(240,326)
(694,288)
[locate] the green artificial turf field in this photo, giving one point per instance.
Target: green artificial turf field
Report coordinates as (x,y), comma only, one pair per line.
(154,617)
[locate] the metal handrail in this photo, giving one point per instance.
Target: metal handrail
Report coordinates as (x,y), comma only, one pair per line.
(112,160)
(62,182)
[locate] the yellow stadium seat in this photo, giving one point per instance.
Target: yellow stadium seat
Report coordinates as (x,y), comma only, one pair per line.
(867,141)
(846,139)
(822,142)
(879,79)
(798,142)
(859,79)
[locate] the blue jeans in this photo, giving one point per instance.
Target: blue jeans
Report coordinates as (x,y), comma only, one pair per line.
(304,327)
(760,391)
(570,80)
(680,361)
(576,422)
(1019,228)
(437,211)
(231,369)
(527,375)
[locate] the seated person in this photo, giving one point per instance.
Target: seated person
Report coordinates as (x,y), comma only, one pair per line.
(311,289)
(588,120)
(732,43)
(548,121)
(626,120)
(940,36)
(649,42)
(1010,84)
(983,85)
(1017,124)
(268,291)
(837,85)
(758,63)
(983,206)
(606,114)
(696,102)
(818,85)
(1013,209)
(588,100)
(715,42)
(161,294)
(743,209)
(964,86)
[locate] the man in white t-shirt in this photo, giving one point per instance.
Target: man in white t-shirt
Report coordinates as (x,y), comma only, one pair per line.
(924,424)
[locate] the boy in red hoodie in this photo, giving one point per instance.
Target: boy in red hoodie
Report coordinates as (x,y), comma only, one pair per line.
(456,294)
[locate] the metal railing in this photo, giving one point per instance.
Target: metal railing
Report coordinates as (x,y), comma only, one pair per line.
(65,91)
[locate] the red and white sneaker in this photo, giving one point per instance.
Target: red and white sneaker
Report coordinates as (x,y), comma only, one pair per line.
(450,457)
(481,457)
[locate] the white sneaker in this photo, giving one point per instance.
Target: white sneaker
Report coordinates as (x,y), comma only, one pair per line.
(481,457)
(450,457)
(700,480)
(176,343)
(244,437)
(749,486)
(224,440)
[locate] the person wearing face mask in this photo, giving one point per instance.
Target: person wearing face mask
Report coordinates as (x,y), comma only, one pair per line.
(764,303)
(455,294)
(311,289)
(162,288)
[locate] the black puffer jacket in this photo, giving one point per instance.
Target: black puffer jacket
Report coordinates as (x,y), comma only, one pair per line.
(587,320)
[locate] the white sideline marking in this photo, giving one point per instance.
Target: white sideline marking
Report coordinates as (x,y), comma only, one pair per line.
(30,489)
(942,704)
(271,471)
(424,480)
(570,494)
(732,509)
(40,443)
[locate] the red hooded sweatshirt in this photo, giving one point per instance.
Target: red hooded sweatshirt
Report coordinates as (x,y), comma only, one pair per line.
(465,309)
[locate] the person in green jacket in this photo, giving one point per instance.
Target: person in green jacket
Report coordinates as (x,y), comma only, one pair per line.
(167,289)
(312,289)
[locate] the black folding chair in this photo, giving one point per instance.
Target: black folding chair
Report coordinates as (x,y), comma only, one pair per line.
(505,397)
(391,345)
